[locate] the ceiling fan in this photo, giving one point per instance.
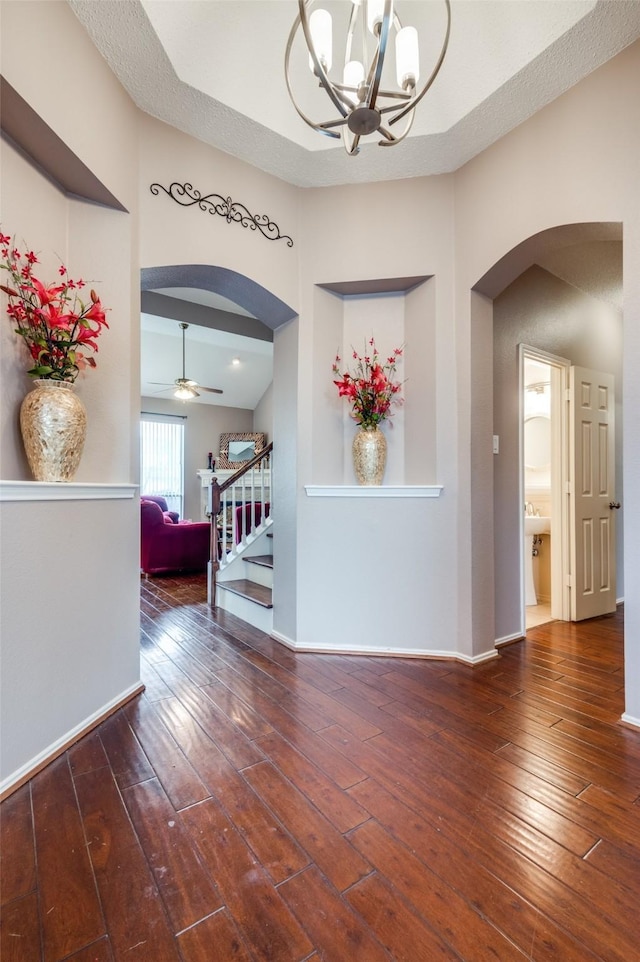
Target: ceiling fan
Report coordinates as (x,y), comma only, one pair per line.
(185,388)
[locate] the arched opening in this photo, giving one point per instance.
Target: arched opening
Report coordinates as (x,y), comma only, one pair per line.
(559,292)
(186,293)
(236,287)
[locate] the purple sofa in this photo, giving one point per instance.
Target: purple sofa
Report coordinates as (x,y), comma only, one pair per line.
(165,546)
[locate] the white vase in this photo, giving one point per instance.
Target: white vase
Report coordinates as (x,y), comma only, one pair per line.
(369,455)
(53,423)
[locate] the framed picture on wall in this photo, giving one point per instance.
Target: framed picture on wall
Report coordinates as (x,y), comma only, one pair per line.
(236,449)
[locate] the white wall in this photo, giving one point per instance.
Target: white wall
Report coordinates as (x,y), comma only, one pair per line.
(284,479)
(69,598)
(263,414)
(172,234)
(383,564)
(70,622)
(94,243)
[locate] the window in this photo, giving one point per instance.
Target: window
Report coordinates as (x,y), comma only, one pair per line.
(162,458)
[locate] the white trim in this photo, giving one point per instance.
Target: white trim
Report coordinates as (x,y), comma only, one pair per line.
(383,652)
(507,639)
(373,491)
(630,720)
(38,762)
(64,491)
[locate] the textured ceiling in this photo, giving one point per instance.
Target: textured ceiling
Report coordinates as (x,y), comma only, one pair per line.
(593,267)
(214,69)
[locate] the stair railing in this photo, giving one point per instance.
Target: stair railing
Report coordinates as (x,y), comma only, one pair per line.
(249,489)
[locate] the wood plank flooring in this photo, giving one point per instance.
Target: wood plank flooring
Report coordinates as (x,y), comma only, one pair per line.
(261,806)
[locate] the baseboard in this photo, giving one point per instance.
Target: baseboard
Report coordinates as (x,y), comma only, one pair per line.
(383,652)
(509,639)
(44,758)
(474,660)
(630,720)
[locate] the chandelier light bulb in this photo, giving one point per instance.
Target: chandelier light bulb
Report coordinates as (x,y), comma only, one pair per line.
(353,76)
(375,15)
(407,58)
(321,34)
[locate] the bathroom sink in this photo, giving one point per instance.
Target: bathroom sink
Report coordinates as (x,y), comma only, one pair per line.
(533,526)
(536,525)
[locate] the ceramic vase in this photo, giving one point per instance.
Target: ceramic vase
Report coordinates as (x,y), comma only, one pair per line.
(369,455)
(53,423)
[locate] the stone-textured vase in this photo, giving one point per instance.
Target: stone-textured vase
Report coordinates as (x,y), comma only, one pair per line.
(369,455)
(53,422)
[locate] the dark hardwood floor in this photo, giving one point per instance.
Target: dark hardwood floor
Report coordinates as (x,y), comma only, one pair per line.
(255,804)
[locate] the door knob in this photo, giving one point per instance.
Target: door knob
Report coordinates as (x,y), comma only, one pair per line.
(614,504)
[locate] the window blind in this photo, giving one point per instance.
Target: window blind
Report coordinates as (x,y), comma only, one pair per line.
(162,459)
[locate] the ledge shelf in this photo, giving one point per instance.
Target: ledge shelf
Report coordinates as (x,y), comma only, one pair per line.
(64,491)
(373,491)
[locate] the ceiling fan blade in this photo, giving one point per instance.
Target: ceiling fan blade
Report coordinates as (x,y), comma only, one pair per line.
(184,382)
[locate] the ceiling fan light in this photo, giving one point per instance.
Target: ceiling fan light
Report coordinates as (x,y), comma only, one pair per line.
(407,57)
(184,393)
(320,27)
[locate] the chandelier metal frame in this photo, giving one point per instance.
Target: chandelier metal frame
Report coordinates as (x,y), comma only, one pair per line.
(365,115)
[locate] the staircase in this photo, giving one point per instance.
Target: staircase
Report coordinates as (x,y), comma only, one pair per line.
(249,597)
(241,582)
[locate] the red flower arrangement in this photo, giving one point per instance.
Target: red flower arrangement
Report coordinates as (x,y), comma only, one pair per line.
(55,324)
(371,389)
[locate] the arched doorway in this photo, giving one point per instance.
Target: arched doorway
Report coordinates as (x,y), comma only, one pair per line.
(261,311)
(557,292)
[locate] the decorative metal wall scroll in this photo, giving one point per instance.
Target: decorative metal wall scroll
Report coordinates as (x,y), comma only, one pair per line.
(186,195)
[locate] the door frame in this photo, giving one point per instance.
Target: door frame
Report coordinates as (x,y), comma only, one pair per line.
(560,546)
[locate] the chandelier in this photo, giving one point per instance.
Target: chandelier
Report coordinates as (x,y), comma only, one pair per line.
(362,105)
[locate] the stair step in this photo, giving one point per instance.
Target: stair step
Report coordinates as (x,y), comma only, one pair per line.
(249,589)
(264,560)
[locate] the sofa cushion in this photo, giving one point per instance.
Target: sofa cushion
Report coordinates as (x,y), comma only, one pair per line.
(162,504)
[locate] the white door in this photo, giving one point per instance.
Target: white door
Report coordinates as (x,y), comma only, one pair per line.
(592,500)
